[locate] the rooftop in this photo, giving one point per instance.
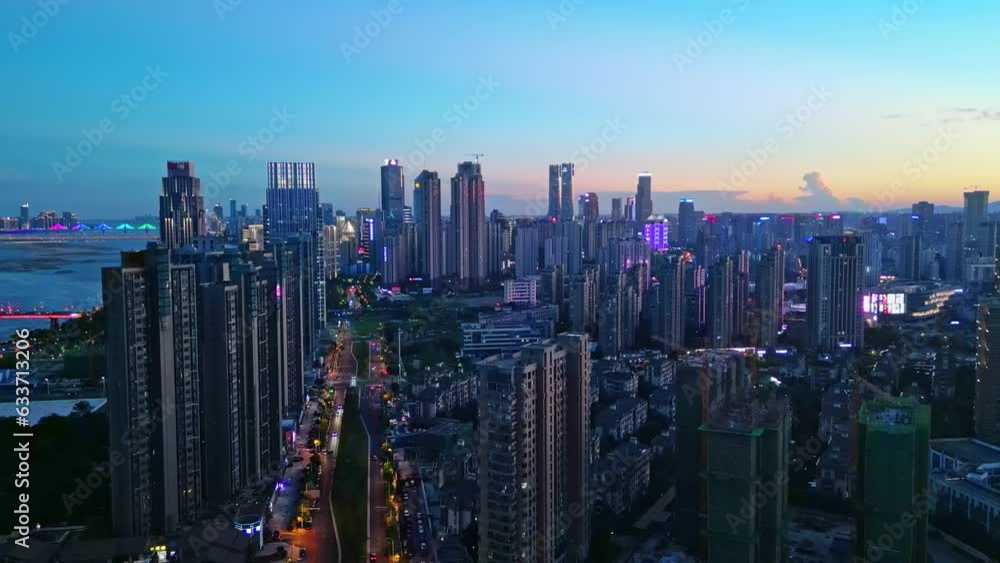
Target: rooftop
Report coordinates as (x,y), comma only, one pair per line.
(969,450)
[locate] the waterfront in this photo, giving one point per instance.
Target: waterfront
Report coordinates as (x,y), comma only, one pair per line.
(55,273)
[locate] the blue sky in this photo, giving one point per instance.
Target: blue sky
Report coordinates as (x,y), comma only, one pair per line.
(904,81)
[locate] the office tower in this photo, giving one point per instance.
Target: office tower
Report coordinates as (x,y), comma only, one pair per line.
(327,215)
(892,491)
(554,194)
(427,203)
(872,272)
(292,213)
(656,232)
(721,324)
(833,292)
(526,251)
(616,208)
(987,408)
(746,464)
(25,216)
(566,170)
(629,209)
(955,259)
(976,209)
(769,297)
(219,216)
(393,193)
(153,382)
(182,209)
(687,225)
(467,243)
(235,226)
(909,263)
(644,197)
(535,453)
(292,199)
(741,294)
(673,298)
(923,213)
(588,207)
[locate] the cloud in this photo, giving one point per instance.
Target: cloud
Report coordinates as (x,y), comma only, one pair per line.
(817,195)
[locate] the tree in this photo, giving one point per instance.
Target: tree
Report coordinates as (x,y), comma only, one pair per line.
(81,408)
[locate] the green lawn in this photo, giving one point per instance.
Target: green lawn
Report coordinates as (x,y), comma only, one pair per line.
(350,483)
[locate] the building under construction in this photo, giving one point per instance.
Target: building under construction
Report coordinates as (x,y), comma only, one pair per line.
(745,479)
(892,495)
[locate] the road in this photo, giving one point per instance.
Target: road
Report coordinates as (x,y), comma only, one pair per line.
(371,410)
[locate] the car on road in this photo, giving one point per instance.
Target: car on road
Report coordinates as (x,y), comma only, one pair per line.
(372,556)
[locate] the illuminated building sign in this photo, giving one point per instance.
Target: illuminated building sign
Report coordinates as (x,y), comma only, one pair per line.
(884,303)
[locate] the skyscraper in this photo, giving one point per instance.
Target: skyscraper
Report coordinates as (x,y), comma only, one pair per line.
(673,297)
(554,194)
(769,297)
(153,382)
(833,310)
(976,208)
(687,224)
(644,197)
(630,209)
(589,206)
(467,241)
(527,244)
(25,216)
(566,176)
(721,323)
(892,487)
(292,199)
(616,208)
(182,208)
(427,202)
(393,194)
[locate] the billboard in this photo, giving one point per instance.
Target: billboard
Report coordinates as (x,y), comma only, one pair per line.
(884,303)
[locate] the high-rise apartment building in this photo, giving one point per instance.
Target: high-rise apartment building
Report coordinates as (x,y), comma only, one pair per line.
(153,381)
(427,202)
(182,208)
(616,208)
(833,292)
(892,488)
(673,298)
(589,206)
(721,324)
(554,195)
(987,406)
(769,300)
(534,480)
(468,236)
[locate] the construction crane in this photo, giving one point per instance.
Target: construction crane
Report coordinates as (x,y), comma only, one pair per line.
(475,154)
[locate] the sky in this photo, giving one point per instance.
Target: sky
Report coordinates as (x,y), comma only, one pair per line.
(740,104)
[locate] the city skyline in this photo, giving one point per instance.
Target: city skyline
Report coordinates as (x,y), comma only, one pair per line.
(681,124)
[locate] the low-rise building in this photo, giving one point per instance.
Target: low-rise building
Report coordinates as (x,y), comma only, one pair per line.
(622,478)
(622,419)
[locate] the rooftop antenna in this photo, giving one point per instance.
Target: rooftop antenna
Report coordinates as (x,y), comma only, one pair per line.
(475,154)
